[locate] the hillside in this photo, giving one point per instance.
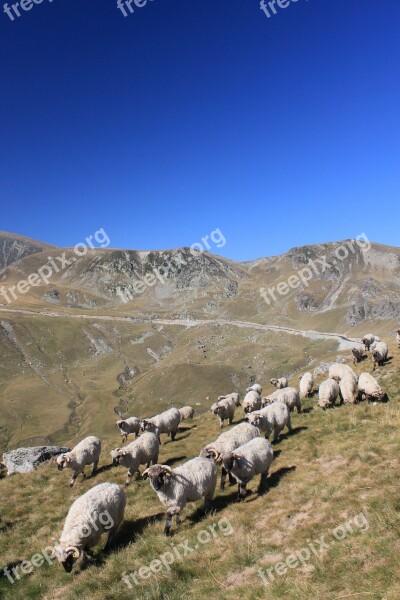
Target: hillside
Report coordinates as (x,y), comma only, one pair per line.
(340,466)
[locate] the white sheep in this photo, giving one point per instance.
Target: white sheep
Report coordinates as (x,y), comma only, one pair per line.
(233,396)
(306,385)
(142,451)
(187,412)
(224,410)
(338,370)
(87,452)
(358,353)
(98,511)
(369,389)
(368,339)
(271,419)
(256,387)
(379,354)
(280,383)
(328,393)
(229,441)
(247,461)
(290,396)
(128,426)
(348,389)
(252,401)
(189,482)
(166,422)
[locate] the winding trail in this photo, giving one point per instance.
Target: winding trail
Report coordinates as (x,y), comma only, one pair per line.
(343,341)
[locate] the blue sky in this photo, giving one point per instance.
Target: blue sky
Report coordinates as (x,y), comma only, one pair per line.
(191,115)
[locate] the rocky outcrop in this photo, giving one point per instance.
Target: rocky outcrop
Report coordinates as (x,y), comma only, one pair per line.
(25,460)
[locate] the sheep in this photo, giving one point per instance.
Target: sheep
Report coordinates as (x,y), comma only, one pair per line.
(369,389)
(87,452)
(166,422)
(280,383)
(127,426)
(99,510)
(338,370)
(256,387)
(186,412)
(379,354)
(358,354)
(290,396)
(252,401)
(195,479)
(398,338)
(247,461)
(328,393)
(233,395)
(225,410)
(368,339)
(229,441)
(142,451)
(306,385)
(273,418)
(348,389)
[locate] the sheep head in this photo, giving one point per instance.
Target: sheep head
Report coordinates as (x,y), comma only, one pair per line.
(67,556)
(62,461)
(159,475)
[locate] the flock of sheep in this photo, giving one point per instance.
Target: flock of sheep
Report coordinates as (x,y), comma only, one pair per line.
(241,451)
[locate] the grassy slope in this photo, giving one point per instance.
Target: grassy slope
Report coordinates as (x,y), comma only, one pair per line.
(339,463)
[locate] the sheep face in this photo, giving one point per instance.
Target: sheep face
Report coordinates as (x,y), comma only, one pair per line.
(159,475)
(227,461)
(145,425)
(116,456)
(62,461)
(67,557)
(253,419)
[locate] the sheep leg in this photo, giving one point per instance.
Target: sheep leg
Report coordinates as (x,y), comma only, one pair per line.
(73,480)
(221,423)
(173,434)
(241,491)
(223,478)
(110,538)
(94,467)
(155,459)
(171,512)
(128,478)
(124,437)
(232,480)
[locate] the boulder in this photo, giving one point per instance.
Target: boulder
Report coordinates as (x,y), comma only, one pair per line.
(25,460)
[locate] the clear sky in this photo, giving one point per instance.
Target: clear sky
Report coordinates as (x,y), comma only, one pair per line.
(192,115)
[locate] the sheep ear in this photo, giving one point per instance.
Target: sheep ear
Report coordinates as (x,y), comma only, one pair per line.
(74,551)
(66,458)
(123,453)
(145,474)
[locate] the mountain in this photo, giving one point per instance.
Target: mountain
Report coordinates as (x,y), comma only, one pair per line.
(192,325)
(14,247)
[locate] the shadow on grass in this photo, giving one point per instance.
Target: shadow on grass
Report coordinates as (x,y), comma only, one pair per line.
(102,469)
(173,460)
(178,439)
(186,428)
(9,567)
(306,411)
(6,526)
(286,436)
(219,504)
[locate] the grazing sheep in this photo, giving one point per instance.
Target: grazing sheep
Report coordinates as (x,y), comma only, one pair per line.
(229,441)
(348,389)
(98,511)
(187,412)
(290,396)
(225,410)
(166,422)
(306,385)
(233,395)
(127,426)
(398,338)
(256,387)
(379,354)
(252,401)
(247,461)
(142,451)
(338,370)
(358,354)
(369,389)
(369,339)
(280,383)
(328,393)
(273,418)
(189,482)
(87,452)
